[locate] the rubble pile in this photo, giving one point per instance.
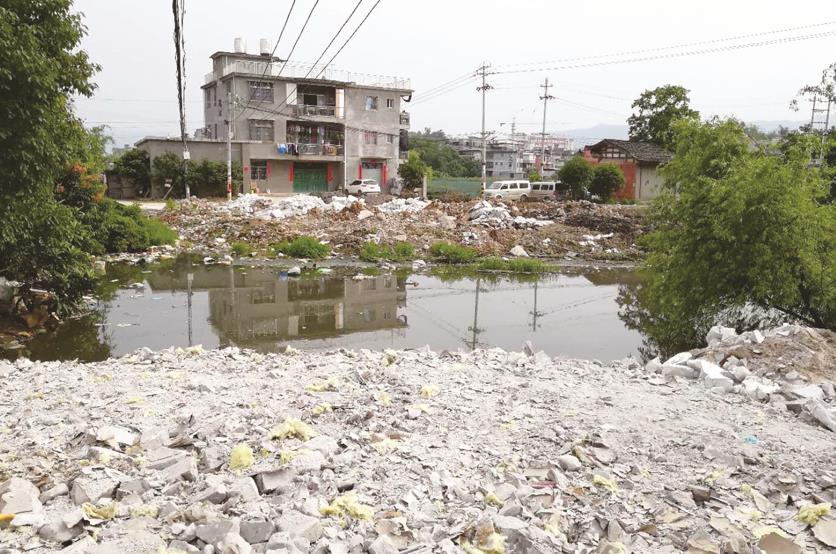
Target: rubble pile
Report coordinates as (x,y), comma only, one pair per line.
(482,452)
(347,222)
(790,367)
(499,217)
(605,218)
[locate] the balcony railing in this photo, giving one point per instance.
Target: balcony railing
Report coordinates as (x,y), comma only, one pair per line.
(303,149)
(293,71)
(405,119)
(316,111)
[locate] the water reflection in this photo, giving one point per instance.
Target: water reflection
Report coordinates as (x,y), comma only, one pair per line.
(182,302)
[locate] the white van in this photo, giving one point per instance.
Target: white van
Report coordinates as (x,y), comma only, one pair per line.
(508,190)
(543,189)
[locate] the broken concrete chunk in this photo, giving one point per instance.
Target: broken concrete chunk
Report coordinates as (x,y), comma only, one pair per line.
(212,533)
(185,469)
(19,495)
(58,490)
(182,546)
(116,436)
(213,457)
(244,488)
(825,532)
(820,413)
(773,543)
(58,531)
(257,531)
(298,524)
(323,444)
(275,480)
(568,462)
(382,545)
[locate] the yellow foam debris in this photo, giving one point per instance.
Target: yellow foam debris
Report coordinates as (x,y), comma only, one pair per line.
(812,513)
(290,428)
(602,481)
(348,505)
(241,457)
(145,510)
(329,384)
(385,446)
(430,390)
(287,456)
(552,525)
(422,408)
(493,500)
(6,517)
(491,544)
(712,477)
(194,350)
(135,399)
(384,399)
(99,512)
(320,409)
(751,513)
(105,458)
(746,489)
(761,532)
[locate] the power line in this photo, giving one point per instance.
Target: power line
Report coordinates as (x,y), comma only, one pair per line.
(272,53)
(298,37)
(675,46)
(348,39)
(340,30)
(442,92)
(674,54)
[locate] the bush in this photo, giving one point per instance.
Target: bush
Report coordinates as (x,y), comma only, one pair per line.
(115,227)
(135,165)
(373,252)
(241,249)
(302,247)
(576,176)
(452,253)
(606,180)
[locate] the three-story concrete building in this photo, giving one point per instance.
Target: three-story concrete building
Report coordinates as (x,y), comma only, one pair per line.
(296,127)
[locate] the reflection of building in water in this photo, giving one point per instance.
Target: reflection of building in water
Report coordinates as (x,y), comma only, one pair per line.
(258,305)
(306,308)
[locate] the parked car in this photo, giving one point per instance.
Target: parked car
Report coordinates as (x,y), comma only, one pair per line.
(543,189)
(359,187)
(508,190)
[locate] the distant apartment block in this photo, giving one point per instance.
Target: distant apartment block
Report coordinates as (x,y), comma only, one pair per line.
(297,128)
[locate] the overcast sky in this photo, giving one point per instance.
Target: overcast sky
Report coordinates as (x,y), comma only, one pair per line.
(433,42)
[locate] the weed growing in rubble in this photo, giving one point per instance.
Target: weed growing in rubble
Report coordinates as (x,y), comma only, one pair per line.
(302,247)
(452,253)
(241,249)
(373,252)
(492,263)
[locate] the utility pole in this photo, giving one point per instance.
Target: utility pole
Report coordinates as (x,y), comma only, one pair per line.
(483,71)
(535,314)
(474,329)
(229,121)
(181,92)
(545,98)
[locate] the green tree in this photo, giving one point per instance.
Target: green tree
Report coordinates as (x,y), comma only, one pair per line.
(741,232)
(658,109)
(534,176)
(414,170)
(576,176)
(134,164)
(440,156)
(41,242)
(606,179)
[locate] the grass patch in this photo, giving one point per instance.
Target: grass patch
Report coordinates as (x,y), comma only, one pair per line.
(302,247)
(452,253)
(373,252)
(241,249)
(515,265)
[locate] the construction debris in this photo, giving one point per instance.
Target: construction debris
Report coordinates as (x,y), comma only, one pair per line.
(510,452)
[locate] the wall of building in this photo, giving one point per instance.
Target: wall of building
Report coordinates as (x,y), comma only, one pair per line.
(383,120)
(649,182)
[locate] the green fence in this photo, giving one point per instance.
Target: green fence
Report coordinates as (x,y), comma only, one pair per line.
(467,186)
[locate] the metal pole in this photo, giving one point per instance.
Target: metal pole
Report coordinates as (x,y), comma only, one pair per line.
(229,144)
(178,43)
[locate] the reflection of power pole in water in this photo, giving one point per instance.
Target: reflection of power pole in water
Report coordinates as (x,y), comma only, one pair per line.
(189,279)
(232,296)
(474,329)
(535,314)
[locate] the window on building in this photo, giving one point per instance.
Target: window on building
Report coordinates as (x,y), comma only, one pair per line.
(258,170)
(261,91)
(390,103)
(390,139)
(369,137)
(371,103)
(261,129)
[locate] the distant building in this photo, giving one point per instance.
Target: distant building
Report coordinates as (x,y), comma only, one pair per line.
(639,161)
(513,156)
(297,128)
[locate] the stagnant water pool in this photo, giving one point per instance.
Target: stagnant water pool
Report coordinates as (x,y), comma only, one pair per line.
(569,314)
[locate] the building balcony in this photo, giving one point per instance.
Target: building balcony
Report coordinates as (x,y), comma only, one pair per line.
(306,110)
(404,119)
(311,149)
